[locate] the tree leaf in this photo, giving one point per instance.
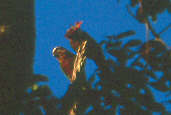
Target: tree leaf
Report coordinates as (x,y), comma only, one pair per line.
(160,85)
(132,43)
(125,34)
(122,35)
(38,77)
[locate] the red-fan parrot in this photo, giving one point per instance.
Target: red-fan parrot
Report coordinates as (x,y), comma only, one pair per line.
(66,60)
(93,50)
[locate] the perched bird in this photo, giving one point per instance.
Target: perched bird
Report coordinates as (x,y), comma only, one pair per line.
(66,60)
(93,50)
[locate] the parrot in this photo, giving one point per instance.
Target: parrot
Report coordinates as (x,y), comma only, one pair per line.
(66,60)
(93,50)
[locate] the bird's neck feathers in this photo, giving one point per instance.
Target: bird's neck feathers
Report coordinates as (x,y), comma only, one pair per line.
(67,56)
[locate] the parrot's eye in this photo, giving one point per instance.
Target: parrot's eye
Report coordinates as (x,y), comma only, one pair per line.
(57,52)
(60,53)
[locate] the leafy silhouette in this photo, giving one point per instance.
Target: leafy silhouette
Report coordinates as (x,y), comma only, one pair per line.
(122,83)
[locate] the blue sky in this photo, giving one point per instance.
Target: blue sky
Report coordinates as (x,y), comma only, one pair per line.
(100,17)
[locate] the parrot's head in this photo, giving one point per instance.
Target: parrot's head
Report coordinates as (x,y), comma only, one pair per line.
(61,53)
(74,30)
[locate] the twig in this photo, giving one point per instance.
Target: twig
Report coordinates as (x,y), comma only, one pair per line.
(165,29)
(147,38)
(152,30)
(149,26)
(130,12)
(147,22)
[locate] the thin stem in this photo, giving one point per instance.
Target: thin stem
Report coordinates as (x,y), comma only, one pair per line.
(151,29)
(165,29)
(130,12)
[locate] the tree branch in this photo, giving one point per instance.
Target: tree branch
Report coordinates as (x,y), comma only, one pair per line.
(152,29)
(165,29)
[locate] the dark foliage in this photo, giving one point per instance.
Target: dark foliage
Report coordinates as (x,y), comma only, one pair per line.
(126,86)
(150,8)
(123,85)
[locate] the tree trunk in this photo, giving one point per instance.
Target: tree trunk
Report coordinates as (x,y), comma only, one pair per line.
(17,44)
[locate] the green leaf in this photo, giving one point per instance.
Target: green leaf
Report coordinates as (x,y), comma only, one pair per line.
(156,107)
(38,77)
(138,64)
(160,85)
(42,91)
(121,54)
(122,35)
(150,73)
(125,34)
(35,87)
(132,43)
(113,44)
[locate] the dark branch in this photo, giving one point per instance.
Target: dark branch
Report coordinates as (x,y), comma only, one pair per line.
(165,29)
(147,21)
(130,12)
(151,29)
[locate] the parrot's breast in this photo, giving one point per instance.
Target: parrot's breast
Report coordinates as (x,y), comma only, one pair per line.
(67,66)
